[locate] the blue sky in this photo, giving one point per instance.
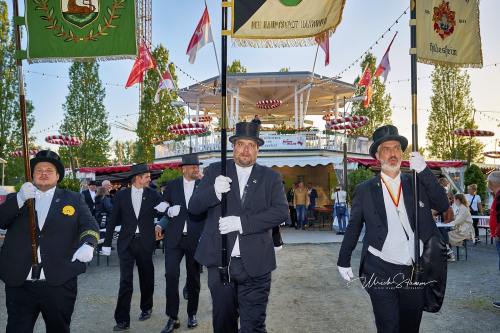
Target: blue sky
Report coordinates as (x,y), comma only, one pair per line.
(363,22)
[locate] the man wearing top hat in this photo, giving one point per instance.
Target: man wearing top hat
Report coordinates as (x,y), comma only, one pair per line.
(135,207)
(384,205)
(256,203)
(66,234)
(89,196)
(182,232)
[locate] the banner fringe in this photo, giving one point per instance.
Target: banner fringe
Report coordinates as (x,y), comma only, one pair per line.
(82,59)
(271,43)
(448,64)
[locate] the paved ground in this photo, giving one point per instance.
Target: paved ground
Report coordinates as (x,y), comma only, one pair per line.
(307,294)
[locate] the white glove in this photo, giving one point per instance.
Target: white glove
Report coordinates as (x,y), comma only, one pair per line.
(229,224)
(222,185)
(174,211)
(27,191)
(346,273)
(84,253)
(106,251)
(278,248)
(417,162)
(162,207)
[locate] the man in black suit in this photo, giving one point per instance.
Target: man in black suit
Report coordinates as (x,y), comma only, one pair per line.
(136,208)
(182,233)
(66,235)
(384,205)
(256,203)
(89,196)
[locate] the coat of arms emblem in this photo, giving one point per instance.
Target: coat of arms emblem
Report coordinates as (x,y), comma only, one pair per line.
(80,12)
(444,20)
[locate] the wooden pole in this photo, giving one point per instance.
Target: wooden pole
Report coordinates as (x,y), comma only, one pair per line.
(35,265)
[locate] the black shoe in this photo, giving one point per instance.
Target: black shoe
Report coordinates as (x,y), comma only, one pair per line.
(171,325)
(145,315)
(185,292)
(121,327)
(192,322)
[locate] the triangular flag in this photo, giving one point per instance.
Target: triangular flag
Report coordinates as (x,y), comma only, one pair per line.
(366,78)
(166,83)
(385,66)
(324,42)
(368,95)
(201,36)
(143,62)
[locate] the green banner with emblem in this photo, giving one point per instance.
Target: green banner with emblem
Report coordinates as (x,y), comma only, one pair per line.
(67,30)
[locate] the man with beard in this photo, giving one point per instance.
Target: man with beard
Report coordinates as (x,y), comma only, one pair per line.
(384,205)
(182,232)
(256,203)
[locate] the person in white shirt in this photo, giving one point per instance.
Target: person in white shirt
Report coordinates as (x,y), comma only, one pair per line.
(475,207)
(339,198)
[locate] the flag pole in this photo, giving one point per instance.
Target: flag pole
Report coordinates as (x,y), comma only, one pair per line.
(414,129)
(215,49)
(223,269)
(35,265)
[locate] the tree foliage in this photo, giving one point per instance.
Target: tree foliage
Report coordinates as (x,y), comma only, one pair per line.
(154,118)
(379,111)
(124,152)
(452,108)
(10,114)
(236,67)
(284,69)
(168,175)
(85,116)
(356,177)
(474,175)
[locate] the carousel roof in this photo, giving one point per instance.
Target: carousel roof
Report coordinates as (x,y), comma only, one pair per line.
(255,87)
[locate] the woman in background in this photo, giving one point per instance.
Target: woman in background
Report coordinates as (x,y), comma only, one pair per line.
(463,222)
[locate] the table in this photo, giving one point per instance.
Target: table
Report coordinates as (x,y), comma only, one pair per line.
(484,223)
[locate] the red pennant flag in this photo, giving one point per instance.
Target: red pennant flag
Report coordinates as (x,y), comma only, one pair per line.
(324,42)
(166,83)
(201,36)
(385,66)
(366,78)
(143,62)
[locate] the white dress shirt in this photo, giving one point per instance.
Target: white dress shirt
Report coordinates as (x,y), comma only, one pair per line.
(398,246)
(243,175)
(136,194)
(340,197)
(92,195)
(473,203)
(43,200)
(188,192)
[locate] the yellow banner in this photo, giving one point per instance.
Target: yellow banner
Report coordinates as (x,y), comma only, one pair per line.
(448,33)
(274,23)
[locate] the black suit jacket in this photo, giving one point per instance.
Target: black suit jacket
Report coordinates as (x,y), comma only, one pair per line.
(262,207)
(368,208)
(61,235)
(123,211)
(88,200)
(174,195)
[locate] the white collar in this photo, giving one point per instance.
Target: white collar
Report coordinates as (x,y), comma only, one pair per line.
(135,189)
(46,193)
(243,170)
(188,182)
(387,178)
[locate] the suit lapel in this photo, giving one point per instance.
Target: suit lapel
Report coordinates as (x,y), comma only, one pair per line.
(143,202)
(378,199)
(235,185)
(253,180)
(182,192)
(408,197)
(128,201)
(55,206)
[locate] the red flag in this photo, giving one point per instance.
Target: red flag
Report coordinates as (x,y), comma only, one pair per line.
(366,78)
(385,66)
(166,83)
(143,62)
(324,42)
(368,95)
(201,36)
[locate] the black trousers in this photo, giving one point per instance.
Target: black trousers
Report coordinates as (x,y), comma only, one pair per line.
(25,303)
(173,257)
(135,254)
(244,296)
(397,306)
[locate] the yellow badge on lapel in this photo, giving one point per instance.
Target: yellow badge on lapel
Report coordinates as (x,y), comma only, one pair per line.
(68,210)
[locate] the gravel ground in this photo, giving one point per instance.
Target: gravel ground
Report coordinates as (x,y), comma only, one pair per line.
(307,295)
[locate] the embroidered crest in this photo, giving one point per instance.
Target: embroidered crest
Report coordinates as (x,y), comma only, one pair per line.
(444,20)
(68,210)
(80,12)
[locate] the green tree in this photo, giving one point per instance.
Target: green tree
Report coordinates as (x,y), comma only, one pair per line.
(85,116)
(284,69)
(452,108)
(379,111)
(10,115)
(474,175)
(236,67)
(168,175)
(154,118)
(356,177)
(124,152)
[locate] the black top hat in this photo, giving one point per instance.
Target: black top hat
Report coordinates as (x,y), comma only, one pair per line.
(386,133)
(190,159)
(48,156)
(247,130)
(139,169)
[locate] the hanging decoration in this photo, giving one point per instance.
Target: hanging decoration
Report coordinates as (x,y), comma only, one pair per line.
(20,153)
(64,140)
(187,129)
(492,154)
(349,122)
(268,104)
(472,132)
(202,119)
